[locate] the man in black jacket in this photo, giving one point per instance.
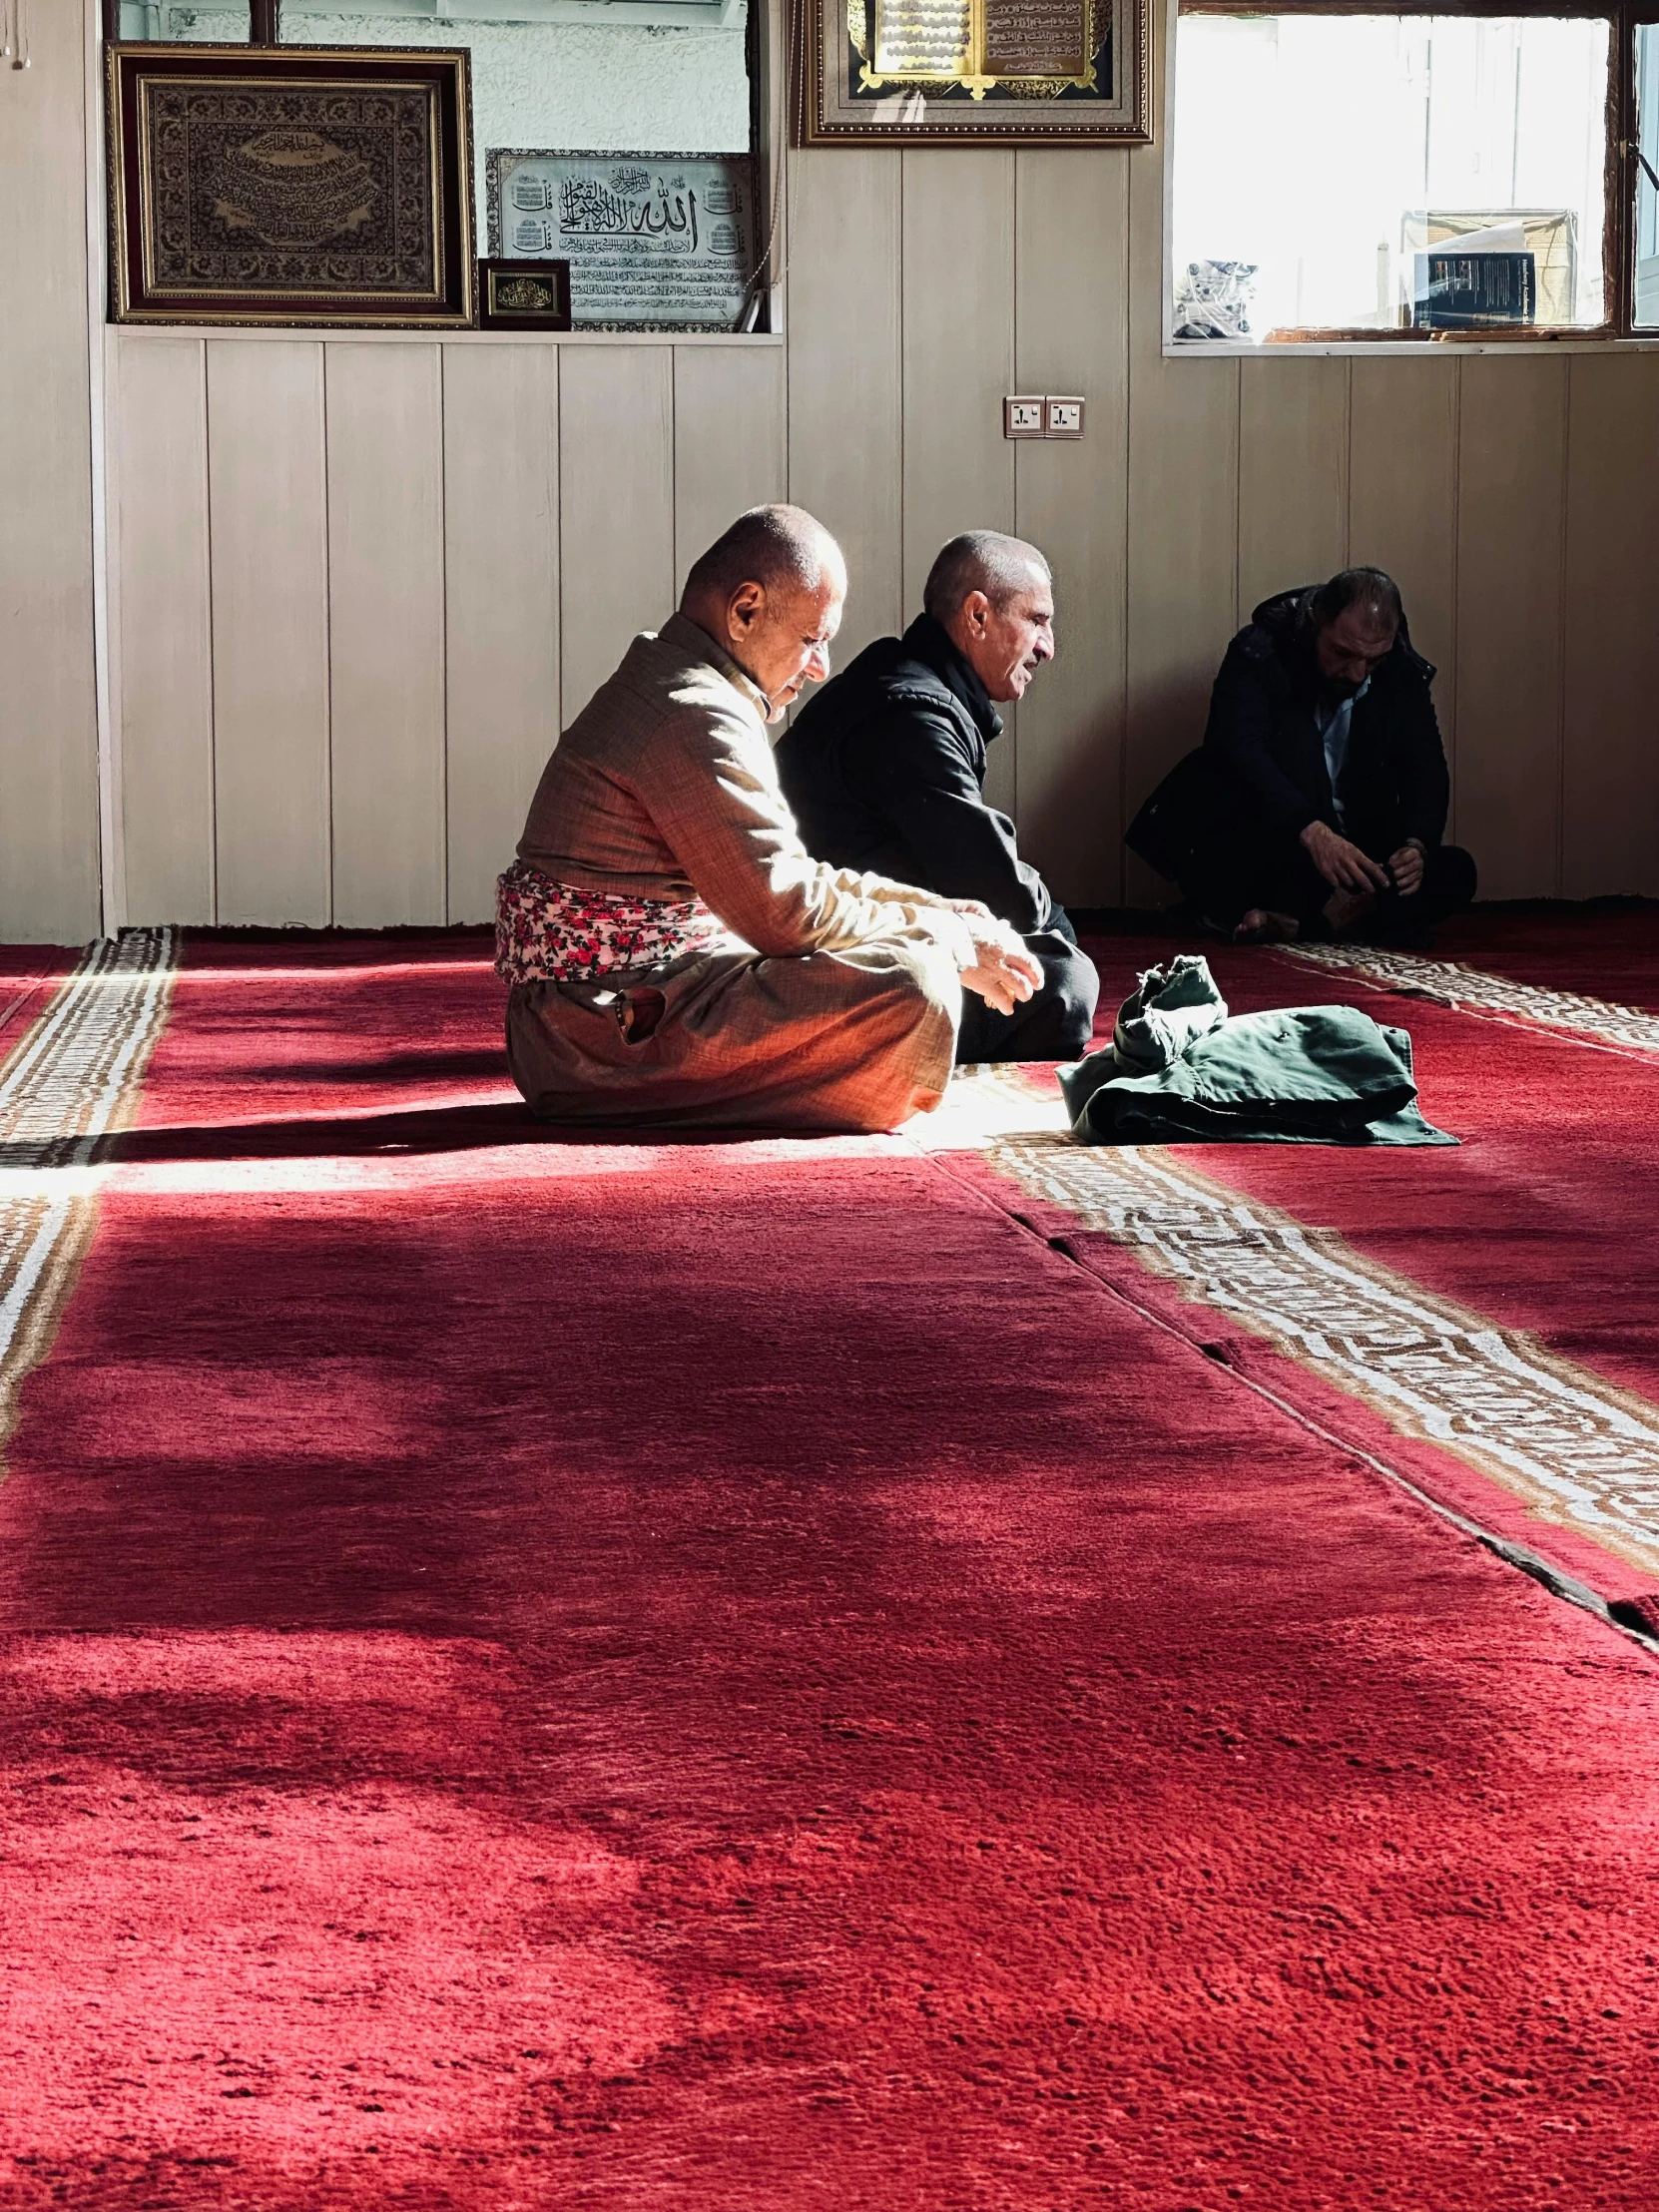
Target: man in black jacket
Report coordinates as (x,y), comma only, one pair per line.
(1317,803)
(885,770)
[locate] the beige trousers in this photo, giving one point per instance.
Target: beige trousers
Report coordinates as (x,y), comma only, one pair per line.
(856,1040)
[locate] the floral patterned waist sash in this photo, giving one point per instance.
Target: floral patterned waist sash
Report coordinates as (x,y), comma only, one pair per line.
(550,932)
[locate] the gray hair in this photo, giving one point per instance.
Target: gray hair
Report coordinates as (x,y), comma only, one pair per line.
(1373,590)
(981,560)
(768,546)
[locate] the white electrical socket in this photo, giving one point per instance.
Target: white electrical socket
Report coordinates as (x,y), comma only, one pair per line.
(1033,415)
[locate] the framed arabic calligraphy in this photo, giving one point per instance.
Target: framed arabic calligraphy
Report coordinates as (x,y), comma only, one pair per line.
(523,296)
(977,72)
(655,242)
(292,186)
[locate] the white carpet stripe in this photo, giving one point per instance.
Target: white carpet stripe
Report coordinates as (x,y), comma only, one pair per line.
(1452,985)
(71,1080)
(1579,1452)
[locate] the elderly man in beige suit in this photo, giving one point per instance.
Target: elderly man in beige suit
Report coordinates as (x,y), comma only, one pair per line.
(676,958)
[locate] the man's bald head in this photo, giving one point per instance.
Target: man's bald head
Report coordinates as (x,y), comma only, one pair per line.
(769,546)
(993,596)
(981,560)
(769,591)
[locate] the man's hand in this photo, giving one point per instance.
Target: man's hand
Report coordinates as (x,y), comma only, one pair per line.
(1003,973)
(1406,866)
(974,909)
(1343,867)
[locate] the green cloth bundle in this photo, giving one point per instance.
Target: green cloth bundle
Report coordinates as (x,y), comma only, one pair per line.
(1178,1071)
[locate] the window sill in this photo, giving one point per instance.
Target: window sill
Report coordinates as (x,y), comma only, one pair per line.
(1435,350)
(349,335)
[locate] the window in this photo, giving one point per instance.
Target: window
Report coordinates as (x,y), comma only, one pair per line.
(1412,176)
(162,19)
(1646,162)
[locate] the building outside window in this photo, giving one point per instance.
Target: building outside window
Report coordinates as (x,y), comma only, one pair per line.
(1410,176)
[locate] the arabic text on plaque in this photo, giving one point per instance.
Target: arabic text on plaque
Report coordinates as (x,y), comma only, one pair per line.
(922,38)
(1036,38)
(651,239)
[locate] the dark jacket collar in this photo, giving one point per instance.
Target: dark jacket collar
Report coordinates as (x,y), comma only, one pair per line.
(930,642)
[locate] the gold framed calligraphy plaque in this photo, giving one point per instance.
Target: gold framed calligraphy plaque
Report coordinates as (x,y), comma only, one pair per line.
(320,186)
(987,72)
(523,296)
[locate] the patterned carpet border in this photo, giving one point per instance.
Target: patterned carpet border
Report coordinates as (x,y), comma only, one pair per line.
(1577,1451)
(72,1078)
(1468,990)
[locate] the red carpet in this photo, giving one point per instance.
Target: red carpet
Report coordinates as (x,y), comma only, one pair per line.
(1607,952)
(1542,1222)
(1547,1216)
(29,974)
(730,1678)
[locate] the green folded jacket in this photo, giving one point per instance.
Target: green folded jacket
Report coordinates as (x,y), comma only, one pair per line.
(1180,1071)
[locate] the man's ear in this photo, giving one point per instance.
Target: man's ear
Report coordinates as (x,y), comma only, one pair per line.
(746,606)
(975,606)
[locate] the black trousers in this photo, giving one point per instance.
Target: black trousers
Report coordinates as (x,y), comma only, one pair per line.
(1056,1023)
(1277,874)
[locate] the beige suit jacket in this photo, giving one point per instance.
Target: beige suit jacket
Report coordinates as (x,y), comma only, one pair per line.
(665,786)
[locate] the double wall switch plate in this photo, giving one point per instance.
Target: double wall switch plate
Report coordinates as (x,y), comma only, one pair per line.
(1041,415)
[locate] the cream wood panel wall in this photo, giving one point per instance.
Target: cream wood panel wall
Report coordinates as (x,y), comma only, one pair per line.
(846,371)
(1293,475)
(1512,462)
(386,632)
(731,443)
(48,868)
(1610,634)
(165,689)
(1181,524)
(1402,504)
(501,601)
(616,507)
(360,585)
(269,518)
(1070,500)
(958,274)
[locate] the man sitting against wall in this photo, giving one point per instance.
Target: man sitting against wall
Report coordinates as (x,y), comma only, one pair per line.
(676,958)
(885,769)
(1317,799)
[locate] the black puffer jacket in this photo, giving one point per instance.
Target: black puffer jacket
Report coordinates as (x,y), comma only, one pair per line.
(885,770)
(1263,759)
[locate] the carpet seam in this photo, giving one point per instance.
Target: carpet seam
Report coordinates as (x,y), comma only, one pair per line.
(1573,1447)
(1565,1587)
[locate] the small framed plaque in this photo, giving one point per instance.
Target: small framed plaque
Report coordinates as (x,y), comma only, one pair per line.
(986,72)
(524,295)
(289,184)
(654,241)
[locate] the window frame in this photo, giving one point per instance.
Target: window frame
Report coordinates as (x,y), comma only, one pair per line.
(1620,181)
